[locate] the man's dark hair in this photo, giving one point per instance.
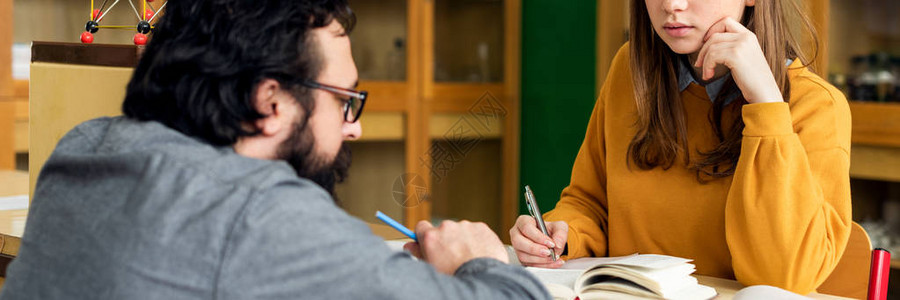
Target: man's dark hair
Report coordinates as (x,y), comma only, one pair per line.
(205,58)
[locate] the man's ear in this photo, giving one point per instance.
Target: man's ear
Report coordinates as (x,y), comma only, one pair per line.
(264,96)
(265,101)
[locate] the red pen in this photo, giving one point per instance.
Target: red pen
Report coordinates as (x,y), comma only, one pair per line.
(878,277)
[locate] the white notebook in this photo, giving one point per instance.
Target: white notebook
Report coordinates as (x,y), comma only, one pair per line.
(626,277)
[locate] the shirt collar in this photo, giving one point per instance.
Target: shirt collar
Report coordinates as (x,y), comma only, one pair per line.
(686,77)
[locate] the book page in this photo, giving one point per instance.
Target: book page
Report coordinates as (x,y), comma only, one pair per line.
(659,281)
(559,282)
(560,292)
(618,285)
(697,292)
(585,263)
(558,276)
(396,245)
(608,295)
(652,261)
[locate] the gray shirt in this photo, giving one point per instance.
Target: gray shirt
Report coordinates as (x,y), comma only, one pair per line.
(136,210)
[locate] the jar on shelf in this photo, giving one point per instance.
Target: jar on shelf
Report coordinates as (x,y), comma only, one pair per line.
(884,78)
(839,81)
(862,84)
(396,60)
(895,67)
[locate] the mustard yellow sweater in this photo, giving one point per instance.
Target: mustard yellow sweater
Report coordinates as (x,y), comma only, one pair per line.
(782,219)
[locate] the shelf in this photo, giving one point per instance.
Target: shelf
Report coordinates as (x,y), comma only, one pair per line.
(460,97)
(382,126)
(876,124)
(895,263)
(875,163)
(446,125)
(386,96)
(390,126)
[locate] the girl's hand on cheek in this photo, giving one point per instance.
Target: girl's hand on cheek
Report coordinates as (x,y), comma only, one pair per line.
(731,44)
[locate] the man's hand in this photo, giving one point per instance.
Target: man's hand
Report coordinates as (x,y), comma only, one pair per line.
(454,243)
(533,247)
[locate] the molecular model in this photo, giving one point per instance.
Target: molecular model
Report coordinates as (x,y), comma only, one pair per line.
(143,26)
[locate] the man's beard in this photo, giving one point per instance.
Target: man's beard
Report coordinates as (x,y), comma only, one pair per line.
(298,151)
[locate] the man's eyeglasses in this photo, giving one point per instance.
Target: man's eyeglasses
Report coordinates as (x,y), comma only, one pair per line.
(352,107)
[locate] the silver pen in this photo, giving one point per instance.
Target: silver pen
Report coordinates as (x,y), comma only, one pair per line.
(535,212)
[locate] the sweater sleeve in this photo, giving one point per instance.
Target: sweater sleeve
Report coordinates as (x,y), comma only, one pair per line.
(583,203)
(788,210)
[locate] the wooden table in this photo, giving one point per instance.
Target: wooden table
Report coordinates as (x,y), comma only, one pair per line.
(13,183)
(727,288)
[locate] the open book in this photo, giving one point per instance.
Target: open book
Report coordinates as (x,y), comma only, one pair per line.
(625,277)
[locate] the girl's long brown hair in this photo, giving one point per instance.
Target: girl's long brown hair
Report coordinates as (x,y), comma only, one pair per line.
(661,127)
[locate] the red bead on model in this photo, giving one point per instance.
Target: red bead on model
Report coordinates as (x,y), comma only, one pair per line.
(140,39)
(87,37)
(96,14)
(148,14)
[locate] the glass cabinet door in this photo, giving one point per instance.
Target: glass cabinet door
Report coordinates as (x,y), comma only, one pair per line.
(379,41)
(468,40)
(467,165)
(468,186)
(371,183)
(864,49)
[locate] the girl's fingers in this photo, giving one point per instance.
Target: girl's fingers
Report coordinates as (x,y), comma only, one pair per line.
(726,30)
(528,228)
(732,25)
(532,260)
(726,24)
(524,245)
(710,61)
(553,265)
(559,232)
(716,39)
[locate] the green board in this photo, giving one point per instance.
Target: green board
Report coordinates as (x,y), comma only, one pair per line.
(558,88)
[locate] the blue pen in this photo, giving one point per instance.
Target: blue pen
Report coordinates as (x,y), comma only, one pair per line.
(402,229)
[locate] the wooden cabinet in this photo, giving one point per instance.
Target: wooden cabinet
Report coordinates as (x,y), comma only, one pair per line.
(7,107)
(440,131)
(860,29)
(443,78)
(855,30)
(612,33)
